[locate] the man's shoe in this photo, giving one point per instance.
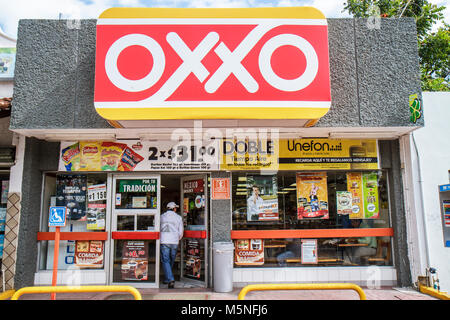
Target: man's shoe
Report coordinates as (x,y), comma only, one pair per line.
(171,285)
(166,282)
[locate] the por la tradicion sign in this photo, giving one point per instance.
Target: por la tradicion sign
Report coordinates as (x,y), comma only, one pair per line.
(248,63)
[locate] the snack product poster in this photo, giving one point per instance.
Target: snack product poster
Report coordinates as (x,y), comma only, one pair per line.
(262,198)
(354,185)
(136,155)
(312,195)
(370,190)
(89,254)
(134,261)
(249,252)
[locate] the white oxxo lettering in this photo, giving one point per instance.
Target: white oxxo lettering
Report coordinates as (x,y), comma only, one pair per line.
(231,62)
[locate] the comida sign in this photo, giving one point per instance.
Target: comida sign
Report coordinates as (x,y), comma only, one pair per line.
(246,63)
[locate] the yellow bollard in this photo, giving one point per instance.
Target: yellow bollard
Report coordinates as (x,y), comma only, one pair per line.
(302,286)
(72,289)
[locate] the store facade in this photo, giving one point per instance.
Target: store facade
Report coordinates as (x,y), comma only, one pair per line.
(309,189)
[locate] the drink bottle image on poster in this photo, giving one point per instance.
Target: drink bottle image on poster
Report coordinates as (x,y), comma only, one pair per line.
(71,192)
(354,185)
(89,254)
(370,190)
(134,261)
(249,252)
(193,266)
(344,202)
(262,198)
(312,195)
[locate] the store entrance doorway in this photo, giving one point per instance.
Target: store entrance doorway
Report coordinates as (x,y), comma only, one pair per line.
(190,192)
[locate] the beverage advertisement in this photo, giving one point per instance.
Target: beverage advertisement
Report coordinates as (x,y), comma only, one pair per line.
(89,254)
(134,261)
(312,195)
(344,202)
(249,252)
(71,192)
(262,198)
(193,266)
(354,185)
(370,190)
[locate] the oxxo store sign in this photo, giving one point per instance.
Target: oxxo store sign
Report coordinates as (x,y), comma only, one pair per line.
(260,63)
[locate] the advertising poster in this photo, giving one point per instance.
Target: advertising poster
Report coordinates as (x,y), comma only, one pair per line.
(370,190)
(249,252)
(344,202)
(309,251)
(193,266)
(136,155)
(89,254)
(96,211)
(312,195)
(446,207)
(262,198)
(220,189)
(2,219)
(7,62)
(71,192)
(327,154)
(134,261)
(194,203)
(354,185)
(4,192)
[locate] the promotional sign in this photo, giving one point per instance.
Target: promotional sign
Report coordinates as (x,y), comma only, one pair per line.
(344,202)
(134,261)
(89,254)
(7,62)
(193,266)
(220,189)
(194,203)
(136,155)
(370,191)
(71,192)
(354,185)
(446,209)
(96,212)
(249,252)
(309,251)
(312,195)
(262,198)
(246,63)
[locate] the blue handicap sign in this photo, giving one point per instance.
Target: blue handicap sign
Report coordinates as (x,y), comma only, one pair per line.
(57,217)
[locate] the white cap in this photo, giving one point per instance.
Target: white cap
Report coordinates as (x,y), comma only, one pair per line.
(172,205)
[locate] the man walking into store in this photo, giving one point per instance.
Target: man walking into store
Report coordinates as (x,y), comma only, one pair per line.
(171,234)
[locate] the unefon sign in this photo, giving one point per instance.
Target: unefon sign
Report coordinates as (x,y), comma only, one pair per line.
(247,63)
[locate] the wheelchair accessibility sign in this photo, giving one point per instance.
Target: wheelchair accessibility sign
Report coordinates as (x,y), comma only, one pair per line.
(57,217)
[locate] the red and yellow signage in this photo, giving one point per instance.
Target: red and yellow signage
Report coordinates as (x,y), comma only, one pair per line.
(246,63)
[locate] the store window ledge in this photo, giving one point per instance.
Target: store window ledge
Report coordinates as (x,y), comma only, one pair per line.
(312,233)
(43,236)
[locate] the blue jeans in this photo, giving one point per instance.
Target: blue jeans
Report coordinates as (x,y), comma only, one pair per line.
(281,258)
(168,254)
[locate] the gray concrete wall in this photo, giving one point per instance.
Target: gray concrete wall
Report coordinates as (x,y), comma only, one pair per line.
(373,72)
(39,156)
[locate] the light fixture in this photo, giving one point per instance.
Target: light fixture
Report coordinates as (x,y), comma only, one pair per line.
(76,136)
(242,185)
(242,178)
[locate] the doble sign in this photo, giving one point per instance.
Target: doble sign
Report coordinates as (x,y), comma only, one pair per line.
(270,63)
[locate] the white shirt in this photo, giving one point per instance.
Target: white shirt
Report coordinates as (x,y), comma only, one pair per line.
(254,207)
(171,228)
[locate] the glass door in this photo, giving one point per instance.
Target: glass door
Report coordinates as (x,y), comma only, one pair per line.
(194,246)
(135,230)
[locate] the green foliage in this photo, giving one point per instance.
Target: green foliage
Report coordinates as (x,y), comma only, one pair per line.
(434,48)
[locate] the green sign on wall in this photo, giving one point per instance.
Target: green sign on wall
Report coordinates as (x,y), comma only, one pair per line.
(137,185)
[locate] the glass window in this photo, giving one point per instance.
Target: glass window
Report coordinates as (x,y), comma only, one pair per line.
(325,200)
(85,196)
(136,194)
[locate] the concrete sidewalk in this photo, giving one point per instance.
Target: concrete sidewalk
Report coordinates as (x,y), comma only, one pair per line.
(182,293)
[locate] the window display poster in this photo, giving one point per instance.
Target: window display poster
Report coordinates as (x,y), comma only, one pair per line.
(71,192)
(312,195)
(262,198)
(89,254)
(309,251)
(134,261)
(4,192)
(446,207)
(354,185)
(344,202)
(96,216)
(249,252)
(370,191)
(193,266)
(2,219)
